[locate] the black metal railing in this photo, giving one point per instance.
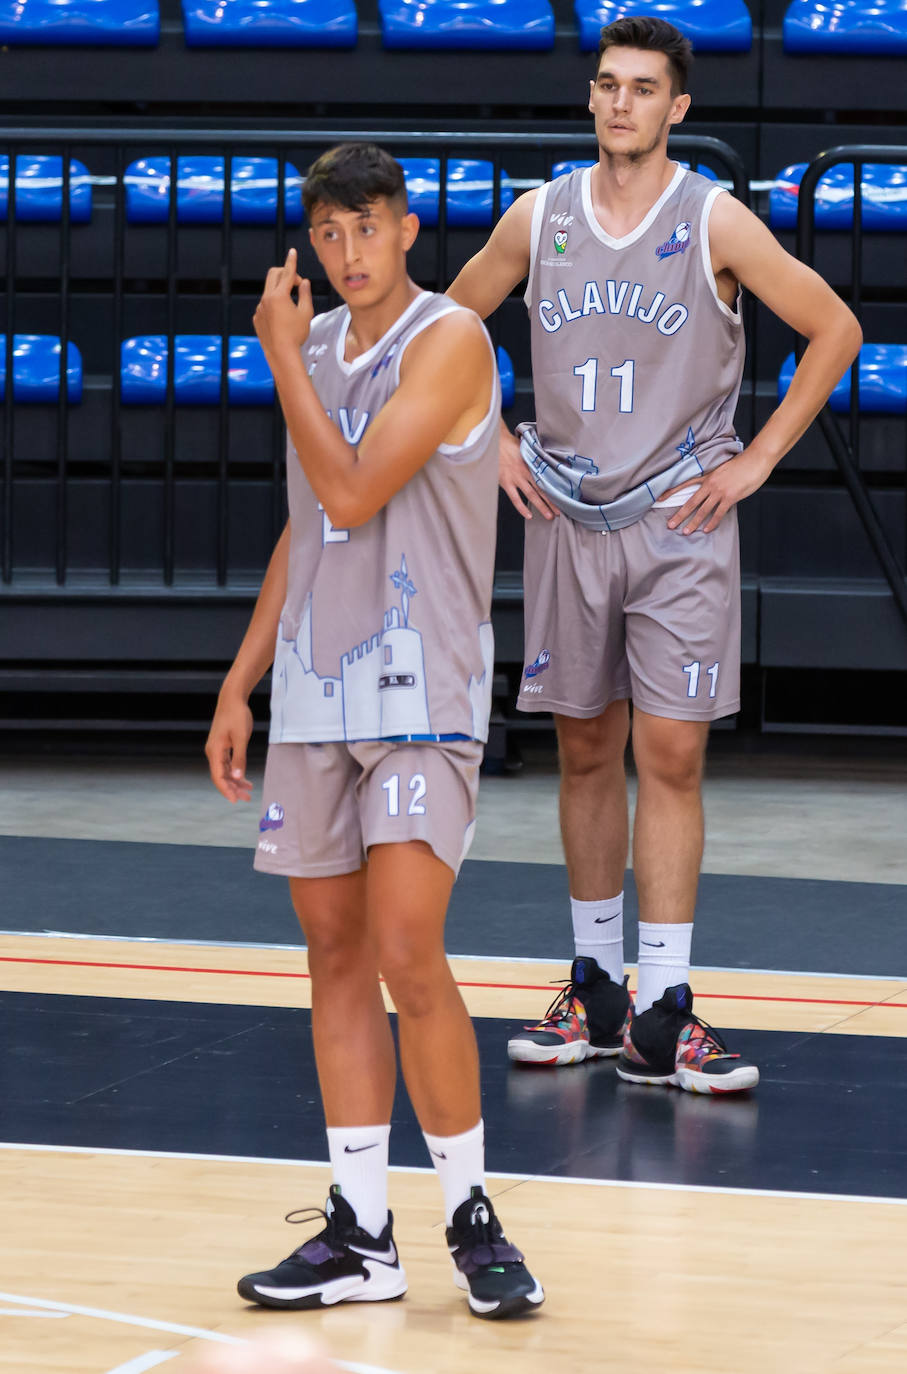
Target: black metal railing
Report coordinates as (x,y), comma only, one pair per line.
(845,448)
(118,287)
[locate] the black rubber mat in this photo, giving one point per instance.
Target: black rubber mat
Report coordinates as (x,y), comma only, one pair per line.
(201,893)
(114,1073)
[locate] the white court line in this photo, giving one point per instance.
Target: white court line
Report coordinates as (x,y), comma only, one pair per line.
(29,1312)
(173,1328)
(514,1178)
(475,958)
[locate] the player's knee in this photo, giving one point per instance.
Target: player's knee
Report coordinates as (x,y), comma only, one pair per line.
(677,764)
(408,971)
(591,746)
(334,951)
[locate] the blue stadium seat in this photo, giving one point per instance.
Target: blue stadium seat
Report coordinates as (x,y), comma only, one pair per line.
(196,370)
(36,369)
(39,190)
(561,168)
(494,24)
(74,23)
(883,381)
(711,25)
(270,23)
(866,27)
(469,190)
(884,197)
(508,381)
(200,191)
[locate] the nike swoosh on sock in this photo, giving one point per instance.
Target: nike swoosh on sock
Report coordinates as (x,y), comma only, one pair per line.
(603,920)
(357,1149)
(653,944)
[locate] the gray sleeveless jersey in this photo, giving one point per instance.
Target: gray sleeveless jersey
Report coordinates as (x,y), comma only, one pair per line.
(636,361)
(386,629)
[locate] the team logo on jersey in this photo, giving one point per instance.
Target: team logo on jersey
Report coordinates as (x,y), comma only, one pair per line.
(386,360)
(540,664)
(677,243)
(272,819)
(563,219)
(560,241)
(316,350)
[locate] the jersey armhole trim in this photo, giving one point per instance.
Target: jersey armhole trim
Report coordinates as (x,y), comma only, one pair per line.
(734,316)
(535,238)
(453,451)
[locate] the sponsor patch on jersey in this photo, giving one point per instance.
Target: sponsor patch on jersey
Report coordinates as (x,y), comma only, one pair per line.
(560,241)
(273,818)
(677,243)
(540,664)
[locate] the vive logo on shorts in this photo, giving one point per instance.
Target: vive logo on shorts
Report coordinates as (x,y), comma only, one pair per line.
(273,818)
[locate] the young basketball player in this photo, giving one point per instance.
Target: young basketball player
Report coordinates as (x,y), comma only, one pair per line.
(633,591)
(375,610)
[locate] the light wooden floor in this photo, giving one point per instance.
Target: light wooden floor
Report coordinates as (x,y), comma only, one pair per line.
(640,1278)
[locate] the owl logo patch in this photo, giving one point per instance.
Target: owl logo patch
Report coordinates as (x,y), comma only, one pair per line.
(560,241)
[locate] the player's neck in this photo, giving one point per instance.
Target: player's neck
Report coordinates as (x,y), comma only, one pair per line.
(370,323)
(624,190)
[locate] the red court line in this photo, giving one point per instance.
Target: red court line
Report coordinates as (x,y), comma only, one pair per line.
(507,987)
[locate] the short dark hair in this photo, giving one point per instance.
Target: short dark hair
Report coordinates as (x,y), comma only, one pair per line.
(653,35)
(351,175)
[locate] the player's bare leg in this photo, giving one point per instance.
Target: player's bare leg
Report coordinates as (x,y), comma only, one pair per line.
(666,1043)
(354,1048)
(589,1019)
(408,891)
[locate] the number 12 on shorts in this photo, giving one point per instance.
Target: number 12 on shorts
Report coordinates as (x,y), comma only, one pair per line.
(416,786)
(694,673)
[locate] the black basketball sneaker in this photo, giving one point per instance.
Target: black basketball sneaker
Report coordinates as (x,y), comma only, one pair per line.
(668,1044)
(587,1020)
(486,1265)
(342,1263)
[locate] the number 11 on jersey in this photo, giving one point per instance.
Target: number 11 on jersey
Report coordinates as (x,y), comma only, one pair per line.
(589,373)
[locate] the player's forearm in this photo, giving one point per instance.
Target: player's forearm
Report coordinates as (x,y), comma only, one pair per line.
(256,652)
(327,460)
(828,356)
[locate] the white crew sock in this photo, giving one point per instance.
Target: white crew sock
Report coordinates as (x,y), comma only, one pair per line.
(460,1162)
(359,1166)
(598,932)
(664,960)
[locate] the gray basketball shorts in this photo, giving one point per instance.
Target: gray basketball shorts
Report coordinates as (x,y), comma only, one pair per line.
(644,612)
(325,805)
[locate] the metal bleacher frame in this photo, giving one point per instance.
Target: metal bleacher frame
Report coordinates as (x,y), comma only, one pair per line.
(102,630)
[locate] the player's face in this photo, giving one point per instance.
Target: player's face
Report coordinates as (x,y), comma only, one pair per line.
(632,102)
(363,252)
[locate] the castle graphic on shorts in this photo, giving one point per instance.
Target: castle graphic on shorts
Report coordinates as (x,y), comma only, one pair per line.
(381,690)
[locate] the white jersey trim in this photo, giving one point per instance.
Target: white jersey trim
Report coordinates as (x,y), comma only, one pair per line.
(635,234)
(735,316)
(363,360)
(535,238)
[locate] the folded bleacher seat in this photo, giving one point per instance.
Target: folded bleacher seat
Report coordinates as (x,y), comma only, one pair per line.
(883,381)
(36,369)
(270,23)
(495,24)
(469,190)
(196,370)
(508,381)
(39,189)
(884,187)
(867,27)
(200,191)
(711,25)
(562,168)
(102,23)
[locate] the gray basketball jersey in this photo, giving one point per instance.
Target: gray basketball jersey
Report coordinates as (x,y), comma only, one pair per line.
(386,628)
(636,360)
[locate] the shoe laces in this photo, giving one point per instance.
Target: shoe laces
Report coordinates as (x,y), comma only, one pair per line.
(329,1237)
(709,1035)
(561,1007)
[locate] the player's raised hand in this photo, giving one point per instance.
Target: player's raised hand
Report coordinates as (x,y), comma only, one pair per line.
(227,743)
(719,491)
(514,478)
(281,323)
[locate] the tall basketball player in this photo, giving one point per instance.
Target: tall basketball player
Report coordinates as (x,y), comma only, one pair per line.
(375,611)
(628,481)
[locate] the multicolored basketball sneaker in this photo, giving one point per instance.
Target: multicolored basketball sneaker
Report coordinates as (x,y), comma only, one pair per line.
(587,1020)
(486,1265)
(342,1263)
(668,1044)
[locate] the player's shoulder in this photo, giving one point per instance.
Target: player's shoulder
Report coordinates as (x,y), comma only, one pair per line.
(447,324)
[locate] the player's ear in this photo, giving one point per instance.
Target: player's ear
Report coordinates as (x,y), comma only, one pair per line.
(678,110)
(409,230)
(591,94)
